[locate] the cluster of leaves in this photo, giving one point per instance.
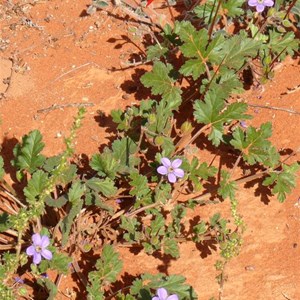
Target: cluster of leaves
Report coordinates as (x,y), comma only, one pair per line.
(195,68)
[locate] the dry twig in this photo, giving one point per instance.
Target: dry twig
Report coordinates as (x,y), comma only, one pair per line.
(62,106)
(275,108)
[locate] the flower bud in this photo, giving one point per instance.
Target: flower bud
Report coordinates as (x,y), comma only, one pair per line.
(186,127)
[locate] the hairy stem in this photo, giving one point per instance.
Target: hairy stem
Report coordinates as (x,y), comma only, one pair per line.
(214,19)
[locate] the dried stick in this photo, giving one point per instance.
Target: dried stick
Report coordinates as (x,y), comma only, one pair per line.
(275,108)
(71,71)
(79,273)
(62,106)
(12,196)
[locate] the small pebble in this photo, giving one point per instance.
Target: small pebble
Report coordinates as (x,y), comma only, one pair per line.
(250,268)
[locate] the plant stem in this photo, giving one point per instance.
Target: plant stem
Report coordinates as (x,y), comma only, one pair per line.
(214,20)
(193,138)
(222,281)
(170,11)
(290,8)
(236,164)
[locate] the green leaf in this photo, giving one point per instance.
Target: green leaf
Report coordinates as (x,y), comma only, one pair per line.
(59,202)
(283,44)
(156,52)
(124,153)
(2,171)
(75,193)
(255,146)
(50,286)
(215,219)
(199,230)
(94,292)
(119,118)
(109,265)
(237,49)
(60,262)
(36,185)
(200,171)
(105,164)
(205,11)
(161,83)
(105,186)
(52,162)
(170,246)
(99,3)
(4,222)
(233,8)
(140,189)
(163,193)
(27,155)
(177,214)
(211,111)
(283,182)
(158,225)
(227,187)
(69,173)
(132,226)
(175,284)
(226,84)
(197,49)
(193,67)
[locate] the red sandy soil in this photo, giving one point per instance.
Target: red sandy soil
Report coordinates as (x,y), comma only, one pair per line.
(73,58)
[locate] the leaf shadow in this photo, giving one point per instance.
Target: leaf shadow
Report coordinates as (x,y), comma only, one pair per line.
(134,86)
(205,247)
(6,152)
(264,192)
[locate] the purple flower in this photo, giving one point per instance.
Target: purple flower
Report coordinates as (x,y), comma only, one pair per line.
(162,294)
(38,248)
(19,280)
(243,124)
(171,169)
(260,4)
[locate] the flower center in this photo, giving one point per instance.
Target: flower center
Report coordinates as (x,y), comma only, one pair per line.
(170,170)
(260,1)
(38,249)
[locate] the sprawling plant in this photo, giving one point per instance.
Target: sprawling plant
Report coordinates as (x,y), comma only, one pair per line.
(140,189)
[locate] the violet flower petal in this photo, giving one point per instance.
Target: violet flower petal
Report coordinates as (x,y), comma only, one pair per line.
(155,298)
(162,170)
(172,178)
(176,163)
(252,2)
(45,241)
(260,7)
(37,258)
(166,162)
(268,3)
(36,239)
(162,292)
(178,173)
(30,250)
(173,297)
(19,280)
(46,254)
